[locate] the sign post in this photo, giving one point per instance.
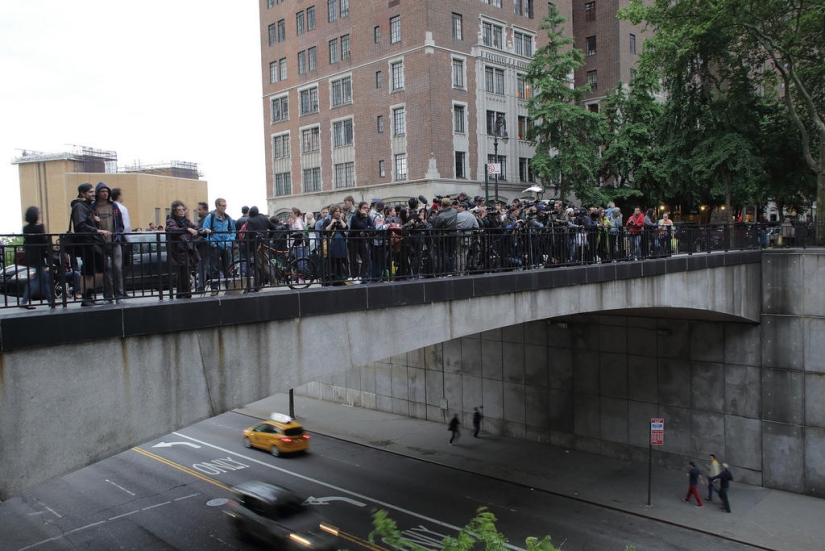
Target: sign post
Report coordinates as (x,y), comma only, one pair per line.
(657,438)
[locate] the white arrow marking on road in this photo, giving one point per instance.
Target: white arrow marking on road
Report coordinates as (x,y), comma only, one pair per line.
(170,444)
(325,501)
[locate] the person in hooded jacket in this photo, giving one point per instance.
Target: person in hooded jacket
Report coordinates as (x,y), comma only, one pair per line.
(84,222)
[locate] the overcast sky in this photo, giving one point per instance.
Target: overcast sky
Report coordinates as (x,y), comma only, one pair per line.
(155,81)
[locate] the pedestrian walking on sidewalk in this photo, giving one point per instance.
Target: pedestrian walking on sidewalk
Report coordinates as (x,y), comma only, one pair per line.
(453,428)
(713,470)
(725,479)
(476,422)
(694,475)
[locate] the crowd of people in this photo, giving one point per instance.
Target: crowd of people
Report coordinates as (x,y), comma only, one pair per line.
(364,242)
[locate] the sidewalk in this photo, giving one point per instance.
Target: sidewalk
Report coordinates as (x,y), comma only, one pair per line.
(767,519)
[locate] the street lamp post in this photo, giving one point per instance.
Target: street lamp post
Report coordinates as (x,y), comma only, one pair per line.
(500,131)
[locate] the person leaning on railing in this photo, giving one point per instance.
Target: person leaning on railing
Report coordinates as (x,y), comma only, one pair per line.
(181,247)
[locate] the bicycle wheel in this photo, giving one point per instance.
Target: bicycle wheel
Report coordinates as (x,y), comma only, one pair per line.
(299,273)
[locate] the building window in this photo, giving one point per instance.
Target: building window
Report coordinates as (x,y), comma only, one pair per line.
(591,79)
(523,87)
(344,8)
(458,73)
(333,50)
(299,22)
(524,172)
(341,91)
(273,72)
(271,30)
(342,133)
(397,75)
(395,29)
(589,12)
(523,44)
(494,80)
(302,62)
(310,140)
(401,166)
(380,124)
(379,79)
(280,147)
(497,3)
(590,45)
(311,18)
(523,127)
(528,8)
(345,175)
(458,31)
(633,75)
(458,119)
(345,53)
(312,179)
(312,58)
(632,43)
(283,184)
(381,171)
(491,35)
(309,101)
(270,4)
(492,117)
(593,107)
(502,160)
(282,64)
(399,122)
(376,34)
(460,163)
(280,109)
(281,30)
(332,10)
(517,7)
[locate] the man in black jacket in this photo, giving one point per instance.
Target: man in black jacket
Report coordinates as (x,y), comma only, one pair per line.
(85,222)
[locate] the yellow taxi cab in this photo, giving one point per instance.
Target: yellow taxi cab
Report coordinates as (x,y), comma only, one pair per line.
(278,435)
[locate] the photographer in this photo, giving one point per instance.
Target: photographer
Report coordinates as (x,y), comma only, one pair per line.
(335,246)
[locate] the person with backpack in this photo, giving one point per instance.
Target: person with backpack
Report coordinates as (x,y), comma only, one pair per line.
(220,240)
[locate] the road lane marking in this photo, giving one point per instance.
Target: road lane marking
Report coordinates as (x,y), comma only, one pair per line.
(156,505)
(180,467)
(170,444)
(333,487)
(124,515)
(119,487)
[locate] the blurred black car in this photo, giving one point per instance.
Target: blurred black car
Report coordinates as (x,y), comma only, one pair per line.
(278,517)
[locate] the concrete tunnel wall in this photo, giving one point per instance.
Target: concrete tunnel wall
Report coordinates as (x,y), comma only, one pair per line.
(100,398)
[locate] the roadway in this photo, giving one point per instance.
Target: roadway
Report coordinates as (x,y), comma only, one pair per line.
(169,493)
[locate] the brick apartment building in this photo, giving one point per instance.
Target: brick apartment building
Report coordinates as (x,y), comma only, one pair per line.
(396,98)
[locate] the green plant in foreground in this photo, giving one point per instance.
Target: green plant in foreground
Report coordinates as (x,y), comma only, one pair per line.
(480,533)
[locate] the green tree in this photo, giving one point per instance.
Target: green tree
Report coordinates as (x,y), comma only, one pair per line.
(630,159)
(768,43)
(567,137)
(480,533)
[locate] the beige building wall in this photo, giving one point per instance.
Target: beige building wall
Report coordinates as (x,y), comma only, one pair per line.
(52,185)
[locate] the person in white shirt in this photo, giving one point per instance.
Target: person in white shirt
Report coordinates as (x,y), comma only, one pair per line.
(117,197)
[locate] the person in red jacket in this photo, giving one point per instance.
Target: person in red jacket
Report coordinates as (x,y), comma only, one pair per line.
(634,227)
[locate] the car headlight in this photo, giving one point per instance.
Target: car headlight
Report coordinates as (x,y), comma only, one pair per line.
(329,528)
(300,539)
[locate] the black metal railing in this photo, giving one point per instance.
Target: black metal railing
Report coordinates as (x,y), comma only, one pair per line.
(145,265)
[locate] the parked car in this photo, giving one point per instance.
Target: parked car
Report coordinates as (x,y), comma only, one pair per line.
(145,264)
(278,435)
(14,280)
(277,516)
